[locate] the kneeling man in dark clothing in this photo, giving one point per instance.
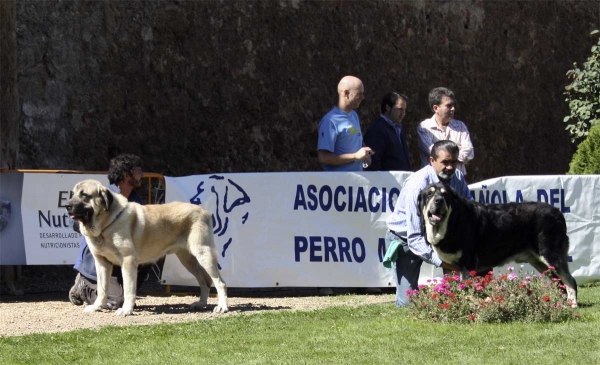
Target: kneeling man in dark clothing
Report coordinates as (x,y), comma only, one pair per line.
(125,175)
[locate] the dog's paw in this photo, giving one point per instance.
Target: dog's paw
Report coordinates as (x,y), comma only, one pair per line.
(91,308)
(124,312)
(221,309)
(199,305)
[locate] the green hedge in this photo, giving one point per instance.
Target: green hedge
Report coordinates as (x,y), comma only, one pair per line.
(586,161)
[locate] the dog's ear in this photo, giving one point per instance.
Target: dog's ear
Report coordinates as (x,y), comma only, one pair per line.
(421,202)
(106,196)
(450,194)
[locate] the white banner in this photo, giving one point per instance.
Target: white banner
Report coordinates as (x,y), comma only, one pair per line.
(290,229)
(326,229)
(293,229)
(47,228)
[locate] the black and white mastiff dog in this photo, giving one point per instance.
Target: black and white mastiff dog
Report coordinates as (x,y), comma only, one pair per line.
(128,234)
(479,237)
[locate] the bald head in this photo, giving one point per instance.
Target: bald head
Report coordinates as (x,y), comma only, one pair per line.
(351,93)
(348,83)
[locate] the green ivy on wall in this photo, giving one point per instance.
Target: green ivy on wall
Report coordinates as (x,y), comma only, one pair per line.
(583,95)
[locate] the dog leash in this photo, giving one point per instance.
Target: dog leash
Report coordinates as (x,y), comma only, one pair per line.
(403,240)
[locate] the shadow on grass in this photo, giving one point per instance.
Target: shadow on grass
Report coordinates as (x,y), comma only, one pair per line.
(185,308)
(585,305)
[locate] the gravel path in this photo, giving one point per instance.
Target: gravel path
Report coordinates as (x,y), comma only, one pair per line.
(52,312)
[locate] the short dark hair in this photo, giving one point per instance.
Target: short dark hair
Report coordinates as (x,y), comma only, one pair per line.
(390,99)
(436,95)
(445,145)
(120,165)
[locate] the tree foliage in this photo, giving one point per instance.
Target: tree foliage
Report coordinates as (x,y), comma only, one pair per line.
(586,161)
(583,95)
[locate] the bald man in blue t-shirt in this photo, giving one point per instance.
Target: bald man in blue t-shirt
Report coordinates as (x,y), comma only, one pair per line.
(340,146)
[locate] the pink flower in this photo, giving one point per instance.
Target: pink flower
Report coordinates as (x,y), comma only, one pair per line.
(461,286)
(479,287)
(512,276)
(421,286)
(551,268)
(510,268)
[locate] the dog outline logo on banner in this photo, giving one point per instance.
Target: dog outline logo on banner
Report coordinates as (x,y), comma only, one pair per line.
(221,219)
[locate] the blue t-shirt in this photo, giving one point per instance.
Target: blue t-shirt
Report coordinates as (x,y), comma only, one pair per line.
(339,132)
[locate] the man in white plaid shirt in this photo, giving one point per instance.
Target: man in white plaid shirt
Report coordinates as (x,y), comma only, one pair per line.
(404,223)
(442,125)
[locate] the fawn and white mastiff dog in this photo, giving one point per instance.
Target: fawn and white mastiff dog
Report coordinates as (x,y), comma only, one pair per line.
(129,234)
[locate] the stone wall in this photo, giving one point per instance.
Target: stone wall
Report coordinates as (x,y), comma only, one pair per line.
(9,109)
(240,86)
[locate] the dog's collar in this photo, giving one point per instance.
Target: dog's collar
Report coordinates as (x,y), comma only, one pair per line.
(114,220)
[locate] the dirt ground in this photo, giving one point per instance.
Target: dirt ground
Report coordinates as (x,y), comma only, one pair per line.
(52,312)
(45,307)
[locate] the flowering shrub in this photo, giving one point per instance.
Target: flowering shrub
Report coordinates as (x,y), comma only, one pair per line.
(491,298)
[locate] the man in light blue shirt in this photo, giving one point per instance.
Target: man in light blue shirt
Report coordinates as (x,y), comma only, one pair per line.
(340,144)
(404,223)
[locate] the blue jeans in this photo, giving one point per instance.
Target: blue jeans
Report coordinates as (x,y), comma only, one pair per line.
(85,261)
(86,265)
(406,270)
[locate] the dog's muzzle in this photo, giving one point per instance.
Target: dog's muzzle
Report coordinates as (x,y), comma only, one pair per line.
(79,213)
(436,210)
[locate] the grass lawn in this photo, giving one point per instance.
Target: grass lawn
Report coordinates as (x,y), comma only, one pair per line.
(378,334)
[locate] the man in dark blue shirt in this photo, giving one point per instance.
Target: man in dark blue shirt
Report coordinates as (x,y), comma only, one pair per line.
(386,137)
